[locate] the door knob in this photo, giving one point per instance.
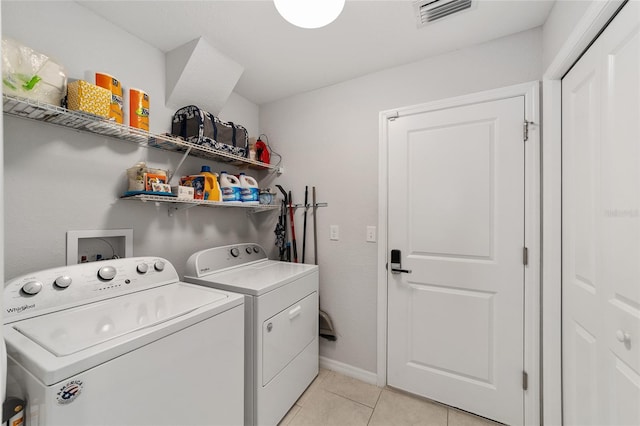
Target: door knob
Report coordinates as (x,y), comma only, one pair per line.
(396,263)
(623,336)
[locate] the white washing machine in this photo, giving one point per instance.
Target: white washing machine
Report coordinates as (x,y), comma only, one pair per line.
(124,342)
(281,308)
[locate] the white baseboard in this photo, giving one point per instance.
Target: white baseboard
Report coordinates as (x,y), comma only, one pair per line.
(349,370)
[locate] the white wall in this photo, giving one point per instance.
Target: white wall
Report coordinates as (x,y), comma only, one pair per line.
(329,138)
(3,367)
(58,180)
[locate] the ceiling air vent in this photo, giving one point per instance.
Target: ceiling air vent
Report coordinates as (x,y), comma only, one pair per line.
(431,10)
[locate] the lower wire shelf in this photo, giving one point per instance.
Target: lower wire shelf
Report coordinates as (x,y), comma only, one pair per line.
(175,204)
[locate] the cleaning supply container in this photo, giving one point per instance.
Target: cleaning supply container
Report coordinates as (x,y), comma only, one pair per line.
(230,187)
(249,191)
(211,186)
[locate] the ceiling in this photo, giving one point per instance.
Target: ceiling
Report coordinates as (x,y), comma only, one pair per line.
(281,60)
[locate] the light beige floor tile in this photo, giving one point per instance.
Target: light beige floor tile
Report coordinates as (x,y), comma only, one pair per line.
(396,409)
(351,388)
(289,416)
(460,418)
(316,384)
(328,409)
(323,373)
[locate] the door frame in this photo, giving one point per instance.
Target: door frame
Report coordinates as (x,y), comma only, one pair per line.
(595,18)
(531,93)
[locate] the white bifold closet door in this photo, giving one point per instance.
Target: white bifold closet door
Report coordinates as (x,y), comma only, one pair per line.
(601,229)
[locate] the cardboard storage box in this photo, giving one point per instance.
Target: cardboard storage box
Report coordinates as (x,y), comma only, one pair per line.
(183,192)
(87,97)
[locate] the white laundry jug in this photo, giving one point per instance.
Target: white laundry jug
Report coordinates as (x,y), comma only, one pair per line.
(249,191)
(230,187)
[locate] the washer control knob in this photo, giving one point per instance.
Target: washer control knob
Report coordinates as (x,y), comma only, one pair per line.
(32,287)
(107,273)
(159,266)
(235,252)
(142,268)
(249,251)
(256,249)
(62,281)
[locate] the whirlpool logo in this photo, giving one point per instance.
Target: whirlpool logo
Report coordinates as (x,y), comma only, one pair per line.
(19,309)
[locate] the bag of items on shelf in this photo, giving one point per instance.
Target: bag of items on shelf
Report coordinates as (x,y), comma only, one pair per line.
(30,74)
(203,128)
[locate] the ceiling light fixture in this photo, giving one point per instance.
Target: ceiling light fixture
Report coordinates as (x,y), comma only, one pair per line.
(309,13)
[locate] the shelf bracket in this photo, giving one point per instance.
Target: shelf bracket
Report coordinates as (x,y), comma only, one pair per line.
(175,172)
(173,209)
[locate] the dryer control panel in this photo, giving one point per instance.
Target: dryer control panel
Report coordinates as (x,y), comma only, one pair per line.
(217,259)
(65,287)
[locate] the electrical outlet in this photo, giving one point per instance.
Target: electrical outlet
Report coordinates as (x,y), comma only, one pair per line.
(334,233)
(371,234)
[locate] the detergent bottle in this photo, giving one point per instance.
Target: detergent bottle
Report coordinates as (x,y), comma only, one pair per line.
(249,191)
(211,187)
(230,187)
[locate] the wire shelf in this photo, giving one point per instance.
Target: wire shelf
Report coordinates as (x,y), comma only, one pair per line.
(176,204)
(34,110)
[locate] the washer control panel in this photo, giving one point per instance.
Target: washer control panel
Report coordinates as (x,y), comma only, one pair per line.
(74,285)
(219,258)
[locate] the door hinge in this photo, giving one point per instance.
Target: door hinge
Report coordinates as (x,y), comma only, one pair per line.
(525,381)
(525,256)
(525,129)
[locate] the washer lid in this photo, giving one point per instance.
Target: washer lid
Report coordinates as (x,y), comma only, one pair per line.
(73,330)
(256,278)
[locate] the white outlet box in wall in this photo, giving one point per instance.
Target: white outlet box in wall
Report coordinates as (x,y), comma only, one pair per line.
(371,234)
(101,244)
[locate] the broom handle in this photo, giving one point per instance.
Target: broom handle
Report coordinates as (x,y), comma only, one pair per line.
(315,227)
(304,229)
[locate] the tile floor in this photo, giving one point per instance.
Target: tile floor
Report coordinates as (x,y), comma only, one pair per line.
(335,399)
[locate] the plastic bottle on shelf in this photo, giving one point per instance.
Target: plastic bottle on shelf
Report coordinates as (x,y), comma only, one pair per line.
(211,187)
(230,187)
(249,191)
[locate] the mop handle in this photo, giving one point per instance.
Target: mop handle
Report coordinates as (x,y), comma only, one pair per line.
(293,229)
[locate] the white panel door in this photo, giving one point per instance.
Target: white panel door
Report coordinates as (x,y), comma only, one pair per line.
(601,229)
(456,212)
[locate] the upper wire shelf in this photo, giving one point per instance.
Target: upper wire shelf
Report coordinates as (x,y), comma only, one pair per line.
(34,110)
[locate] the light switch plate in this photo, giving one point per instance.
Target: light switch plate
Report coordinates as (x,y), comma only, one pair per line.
(334,232)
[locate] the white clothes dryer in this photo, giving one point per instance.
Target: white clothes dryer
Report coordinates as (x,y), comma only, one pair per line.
(281,317)
(123,342)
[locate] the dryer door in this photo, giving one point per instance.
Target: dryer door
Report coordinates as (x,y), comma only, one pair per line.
(287,333)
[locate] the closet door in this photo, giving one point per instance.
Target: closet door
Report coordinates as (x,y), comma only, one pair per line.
(601,229)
